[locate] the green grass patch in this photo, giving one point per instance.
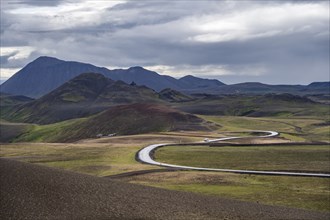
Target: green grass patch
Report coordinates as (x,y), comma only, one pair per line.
(99,157)
(299,192)
(94,159)
(309,158)
(51,133)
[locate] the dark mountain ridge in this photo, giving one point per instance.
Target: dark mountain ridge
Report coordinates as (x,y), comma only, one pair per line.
(320,84)
(258,88)
(45,74)
(84,95)
(193,82)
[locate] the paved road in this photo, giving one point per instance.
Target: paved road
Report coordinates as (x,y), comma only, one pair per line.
(145,157)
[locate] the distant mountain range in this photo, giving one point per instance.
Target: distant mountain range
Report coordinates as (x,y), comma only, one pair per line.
(46,74)
(91,93)
(91,103)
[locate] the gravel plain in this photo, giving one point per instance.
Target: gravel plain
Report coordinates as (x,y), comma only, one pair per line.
(31,191)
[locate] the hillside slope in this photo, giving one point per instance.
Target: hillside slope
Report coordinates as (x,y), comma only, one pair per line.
(84,95)
(171,95)
(9,102)
(122,120)
(282,105)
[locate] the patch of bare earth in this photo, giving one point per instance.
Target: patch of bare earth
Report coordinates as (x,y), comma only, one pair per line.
(34,192)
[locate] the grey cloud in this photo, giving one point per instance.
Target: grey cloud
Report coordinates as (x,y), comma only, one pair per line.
(37,2)
(12,64)
(151,33)
(4,59)
(5,21)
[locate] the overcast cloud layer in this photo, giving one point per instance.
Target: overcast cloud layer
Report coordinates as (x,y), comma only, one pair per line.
(276,42)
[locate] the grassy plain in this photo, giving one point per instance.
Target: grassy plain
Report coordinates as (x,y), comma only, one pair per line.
(100,157)
(289,158)
(108,156)
(300,192)
(293,128)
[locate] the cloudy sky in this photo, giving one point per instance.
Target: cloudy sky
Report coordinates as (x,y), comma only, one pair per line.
(275,42)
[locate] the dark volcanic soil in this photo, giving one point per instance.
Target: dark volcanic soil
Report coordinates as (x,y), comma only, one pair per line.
(34,192)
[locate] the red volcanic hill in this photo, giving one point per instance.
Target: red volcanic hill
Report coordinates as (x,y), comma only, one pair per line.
(133,119)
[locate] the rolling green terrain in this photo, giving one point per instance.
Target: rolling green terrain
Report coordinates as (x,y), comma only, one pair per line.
(10,131)
(295,129)
(100,157)
(306,128)
(297,118)
(121,120)
(268,105)
(272,158)
(96,105)
(85,95)
(107,156)
(9,102)
(91,93)
(90,105)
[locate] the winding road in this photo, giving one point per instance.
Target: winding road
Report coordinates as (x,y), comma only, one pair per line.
(144,155)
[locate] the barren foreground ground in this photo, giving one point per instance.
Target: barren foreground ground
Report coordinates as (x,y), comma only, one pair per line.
(37,192)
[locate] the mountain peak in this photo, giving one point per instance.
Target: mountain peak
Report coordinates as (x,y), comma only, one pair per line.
(88,84)
(46,61)
(189,77)
(137,68)
(200,82)
(46,58)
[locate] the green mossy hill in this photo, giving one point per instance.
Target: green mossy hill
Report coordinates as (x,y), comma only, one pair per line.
(11,131)
(143,118)
(9,100)
(122,120)
(288,97)
(86,94)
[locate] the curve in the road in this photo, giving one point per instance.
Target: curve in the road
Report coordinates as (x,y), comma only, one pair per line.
(144,156)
